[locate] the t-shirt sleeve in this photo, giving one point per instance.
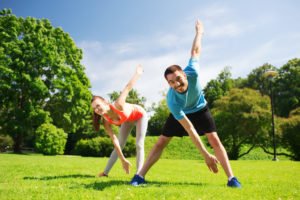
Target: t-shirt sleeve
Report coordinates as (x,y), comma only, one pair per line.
(176,111)
(192,68)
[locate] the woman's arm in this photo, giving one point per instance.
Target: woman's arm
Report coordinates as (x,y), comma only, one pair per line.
(120,102)
(125,163)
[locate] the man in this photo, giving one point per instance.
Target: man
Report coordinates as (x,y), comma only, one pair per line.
(189,116)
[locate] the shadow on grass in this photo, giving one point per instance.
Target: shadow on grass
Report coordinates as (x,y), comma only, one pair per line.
(107,184)
(58,177)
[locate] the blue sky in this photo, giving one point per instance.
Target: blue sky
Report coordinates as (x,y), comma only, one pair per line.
(117,35)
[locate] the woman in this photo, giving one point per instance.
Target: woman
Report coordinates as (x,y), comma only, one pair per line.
(125,115)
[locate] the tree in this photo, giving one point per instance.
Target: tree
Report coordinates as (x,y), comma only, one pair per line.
(287,88)
(242,117)
(41,78)
(133,97)
(291,136)
(215,89)
(158,119)
(257,81)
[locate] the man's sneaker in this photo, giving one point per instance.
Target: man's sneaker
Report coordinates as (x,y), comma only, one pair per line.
(234,183)
(137,180)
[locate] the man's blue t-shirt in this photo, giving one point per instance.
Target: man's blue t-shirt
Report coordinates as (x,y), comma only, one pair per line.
(193,99)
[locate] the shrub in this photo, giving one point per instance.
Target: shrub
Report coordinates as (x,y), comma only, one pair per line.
(102,147)
(6,143)
(291,136)
(50,140)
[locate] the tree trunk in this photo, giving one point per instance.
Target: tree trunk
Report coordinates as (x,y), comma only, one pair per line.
(233,154)
(18,139)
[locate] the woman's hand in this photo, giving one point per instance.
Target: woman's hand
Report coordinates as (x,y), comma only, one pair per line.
(102,174)
(139,70)
(126,165)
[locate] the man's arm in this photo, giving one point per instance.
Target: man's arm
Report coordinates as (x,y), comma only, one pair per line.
(120,102)
(211,161)
(196,48)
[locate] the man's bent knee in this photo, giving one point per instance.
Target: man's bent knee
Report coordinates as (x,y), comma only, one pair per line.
(213,139)
(162,142)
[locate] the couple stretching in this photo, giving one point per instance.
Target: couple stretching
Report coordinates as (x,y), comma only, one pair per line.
(189,116)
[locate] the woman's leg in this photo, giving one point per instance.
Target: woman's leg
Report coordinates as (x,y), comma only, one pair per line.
(123,135)
(141,129)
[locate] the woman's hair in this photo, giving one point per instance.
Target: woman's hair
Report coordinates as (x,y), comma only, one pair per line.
(172,69)
(96,117)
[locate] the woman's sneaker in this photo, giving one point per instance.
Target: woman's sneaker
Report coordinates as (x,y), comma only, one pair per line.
(137,180)
(234,183)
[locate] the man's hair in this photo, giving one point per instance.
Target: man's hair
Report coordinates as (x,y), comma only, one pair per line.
(172,69)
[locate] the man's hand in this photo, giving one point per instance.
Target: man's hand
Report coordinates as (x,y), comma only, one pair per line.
(212,163)
(199,27)
(126,165)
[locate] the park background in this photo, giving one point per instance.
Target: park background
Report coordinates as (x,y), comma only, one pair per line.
(55,54)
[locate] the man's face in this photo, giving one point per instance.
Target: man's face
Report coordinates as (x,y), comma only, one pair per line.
(178,81)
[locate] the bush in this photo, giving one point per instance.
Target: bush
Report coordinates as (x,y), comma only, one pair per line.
(50,140)
(6,143)
(102,147)
(291,136)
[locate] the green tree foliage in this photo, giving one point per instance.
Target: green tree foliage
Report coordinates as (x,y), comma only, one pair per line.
(50,140)
(287,88)
(291,136)
(133,97)
(219,87)
(242,117)
(41,78)
(158,119)
(258,81)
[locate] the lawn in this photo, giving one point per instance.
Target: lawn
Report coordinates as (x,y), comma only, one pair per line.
(35,176)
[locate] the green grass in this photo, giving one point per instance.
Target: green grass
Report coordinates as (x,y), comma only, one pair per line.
(183,148)
(35,176)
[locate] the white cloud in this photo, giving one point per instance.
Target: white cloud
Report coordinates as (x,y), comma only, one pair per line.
(110,66)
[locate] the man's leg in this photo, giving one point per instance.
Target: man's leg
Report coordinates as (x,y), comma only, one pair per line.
(153,156)
(220,152)
(221,155)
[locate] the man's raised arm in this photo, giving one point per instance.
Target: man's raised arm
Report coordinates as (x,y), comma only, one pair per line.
(196,48)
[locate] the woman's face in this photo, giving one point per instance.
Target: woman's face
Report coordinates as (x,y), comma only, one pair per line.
(100,107)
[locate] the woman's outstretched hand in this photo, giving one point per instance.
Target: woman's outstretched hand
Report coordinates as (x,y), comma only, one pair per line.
(102,174)
(139,70)
(126,165)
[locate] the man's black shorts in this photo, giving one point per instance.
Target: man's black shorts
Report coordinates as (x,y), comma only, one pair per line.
(201,120)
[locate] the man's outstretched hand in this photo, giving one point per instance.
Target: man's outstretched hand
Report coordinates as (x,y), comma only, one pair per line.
(212,163)
(199,27)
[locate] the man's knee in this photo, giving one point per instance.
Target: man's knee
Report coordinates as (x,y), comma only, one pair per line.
(214,140)
(162,142)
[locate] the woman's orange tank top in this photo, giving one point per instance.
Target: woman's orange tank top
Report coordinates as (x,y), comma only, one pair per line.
(135,115)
